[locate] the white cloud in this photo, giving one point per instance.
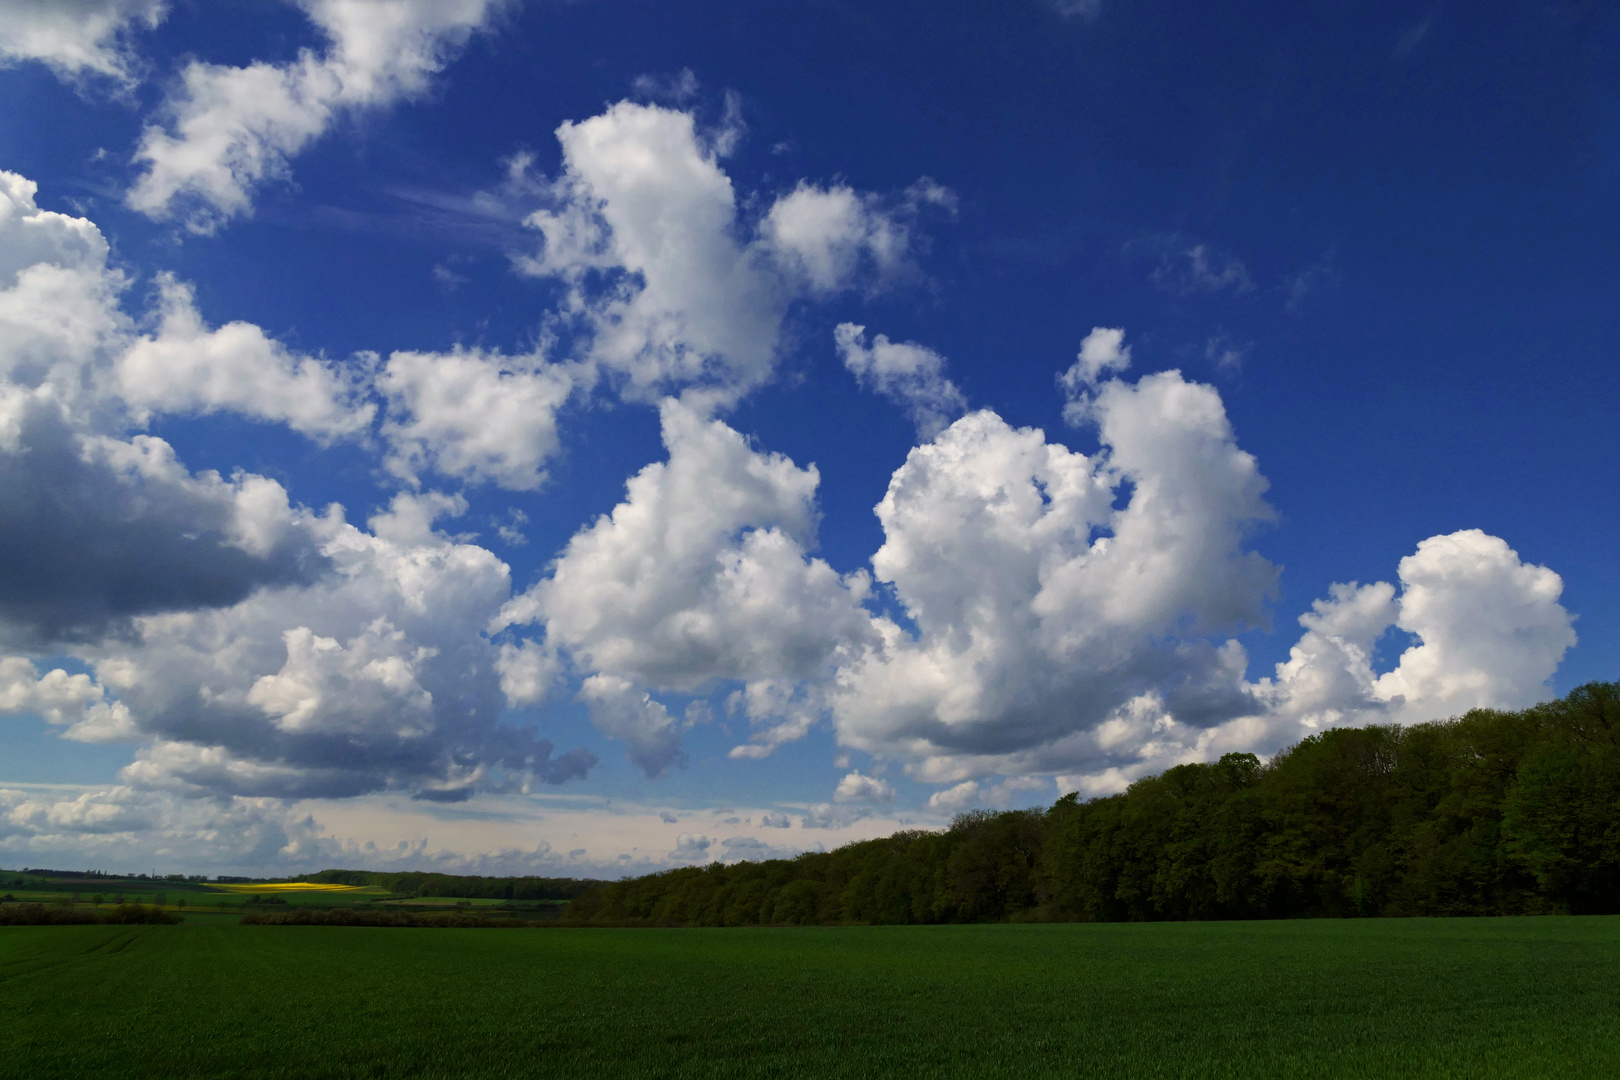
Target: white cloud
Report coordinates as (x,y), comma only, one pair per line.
(828,237)
(911,375)
(1103,352)
(101,526)
(122,828)
(1490,633)
(62,333)
(186,368)
(669,294)
(528,672)
(856,787)
(1040,608)
(76,38)
(641,198)
(691,847)
(230,129)
(956,798)
(546,832)
(622,711)
(839,817)
(1491,629)
(59,316)
(374,675)
(368,685)
(72,701)
(702,575)
(474,416)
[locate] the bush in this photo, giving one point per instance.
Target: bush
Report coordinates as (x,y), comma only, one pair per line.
(122,915)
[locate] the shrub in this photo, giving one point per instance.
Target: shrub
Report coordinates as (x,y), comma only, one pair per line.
(124,914)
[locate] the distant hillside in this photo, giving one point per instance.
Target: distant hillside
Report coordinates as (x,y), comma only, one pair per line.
(1492,813)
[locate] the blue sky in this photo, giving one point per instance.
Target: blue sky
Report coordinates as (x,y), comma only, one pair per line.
(1146,328)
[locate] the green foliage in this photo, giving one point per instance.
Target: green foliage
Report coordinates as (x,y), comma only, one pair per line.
(413,883)
(1491,813)
(1325,999)
(63,913)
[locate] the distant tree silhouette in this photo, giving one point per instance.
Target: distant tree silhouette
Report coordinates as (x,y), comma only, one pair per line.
(1490,813)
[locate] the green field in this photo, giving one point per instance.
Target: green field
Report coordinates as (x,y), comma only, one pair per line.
(1321,998)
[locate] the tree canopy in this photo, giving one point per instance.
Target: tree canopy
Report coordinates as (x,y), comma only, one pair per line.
(1490,813)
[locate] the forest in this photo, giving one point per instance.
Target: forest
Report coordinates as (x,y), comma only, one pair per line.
(417,883)
(1491,813)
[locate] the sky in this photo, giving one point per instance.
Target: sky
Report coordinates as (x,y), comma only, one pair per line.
(583,438)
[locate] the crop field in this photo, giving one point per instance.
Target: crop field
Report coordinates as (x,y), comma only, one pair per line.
(1320,998)
(293,888)
(296,893)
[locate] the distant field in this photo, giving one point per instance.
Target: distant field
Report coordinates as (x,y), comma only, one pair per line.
(455,901)
(1320,998)
(297,893)
(281,888)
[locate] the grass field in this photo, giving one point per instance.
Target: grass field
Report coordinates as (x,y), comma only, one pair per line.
(1372,998)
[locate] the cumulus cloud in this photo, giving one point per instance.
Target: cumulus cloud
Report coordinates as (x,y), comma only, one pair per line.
(474,416)
(1102,352)
(643,205)
(101,527)
(622,711)
(100,530)
(700,575)
(59,315)
(828,237)
(256,648)
(185,368)
(229,129)
(702,572)
(528,672)
(1074,606)
(956,797)
(64,335)
(77,38)
(691,847)
(75,702)
(112,826)
(856,787)
(738,848)
(908,374)
(1489,630)
(375,677)
(834,816)
(666,289)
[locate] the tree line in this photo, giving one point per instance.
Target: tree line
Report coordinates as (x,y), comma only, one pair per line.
(1491,813)
(416,883)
